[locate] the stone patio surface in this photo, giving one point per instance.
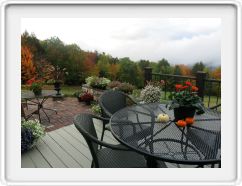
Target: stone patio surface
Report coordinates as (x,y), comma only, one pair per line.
(66,110)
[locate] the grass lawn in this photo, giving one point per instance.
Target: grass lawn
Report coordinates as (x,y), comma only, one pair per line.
(65,89)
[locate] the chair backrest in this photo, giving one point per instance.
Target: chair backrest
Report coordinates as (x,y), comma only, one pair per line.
(206,141)
(84,124)
(112,101)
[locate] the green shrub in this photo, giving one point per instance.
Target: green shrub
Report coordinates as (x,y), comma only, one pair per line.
(96,109)
(97,82)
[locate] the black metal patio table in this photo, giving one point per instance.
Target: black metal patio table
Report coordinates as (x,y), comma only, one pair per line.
(197,144)
(39,100)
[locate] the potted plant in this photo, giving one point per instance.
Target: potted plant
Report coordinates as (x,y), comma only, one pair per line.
(31,132)
(35,86)
(87,97)
(185,101)
(97,82)
(58,75)
(150,94)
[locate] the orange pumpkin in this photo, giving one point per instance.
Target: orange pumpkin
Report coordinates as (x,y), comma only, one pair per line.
(189,121)
(181,123)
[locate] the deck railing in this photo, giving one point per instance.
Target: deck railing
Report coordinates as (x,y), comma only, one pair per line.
(208,89)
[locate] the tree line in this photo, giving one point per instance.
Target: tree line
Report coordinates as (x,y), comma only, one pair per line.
(37,56)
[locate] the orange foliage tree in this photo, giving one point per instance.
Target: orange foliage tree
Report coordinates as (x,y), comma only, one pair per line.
(185,70)
(113,71)
(216,74)
(27,67)
(89,63)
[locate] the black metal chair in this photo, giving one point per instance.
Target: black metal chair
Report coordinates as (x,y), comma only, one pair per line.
(206,141)
(215,107)
(110,102)
(114,156)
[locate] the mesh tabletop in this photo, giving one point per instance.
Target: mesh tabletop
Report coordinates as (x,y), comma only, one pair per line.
(30,95)
(199,143)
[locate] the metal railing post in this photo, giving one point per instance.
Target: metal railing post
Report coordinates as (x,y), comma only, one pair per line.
(200,83)
(148,74)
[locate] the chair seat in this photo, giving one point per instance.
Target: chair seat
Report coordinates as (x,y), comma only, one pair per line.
(108,126)
(109,158)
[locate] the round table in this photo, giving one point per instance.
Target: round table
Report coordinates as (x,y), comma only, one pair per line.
(39,100)
(197,144)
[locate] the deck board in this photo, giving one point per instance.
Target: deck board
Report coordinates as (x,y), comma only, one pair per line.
(26,161)
(49,155)
(38,159)
(64,147)
(73,152)
(60,152)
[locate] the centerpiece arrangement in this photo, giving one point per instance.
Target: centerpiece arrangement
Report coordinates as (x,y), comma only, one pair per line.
(185,101)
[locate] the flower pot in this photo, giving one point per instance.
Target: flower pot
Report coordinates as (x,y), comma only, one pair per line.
(79,99)
(37,92)
(57,86)
(88,102)
(181,113)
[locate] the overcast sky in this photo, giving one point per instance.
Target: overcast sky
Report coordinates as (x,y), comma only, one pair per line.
(180,41)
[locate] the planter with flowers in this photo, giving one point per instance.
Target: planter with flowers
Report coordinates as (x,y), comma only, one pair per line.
(31,132)
(97,82)
(185,101)
(35,86)
(86,97)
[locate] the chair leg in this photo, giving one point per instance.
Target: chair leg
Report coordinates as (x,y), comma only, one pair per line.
(103,132)
(92,165)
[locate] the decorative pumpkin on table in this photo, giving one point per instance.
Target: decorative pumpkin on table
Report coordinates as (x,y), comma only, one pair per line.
(187,122)
(185,101)
(163,118)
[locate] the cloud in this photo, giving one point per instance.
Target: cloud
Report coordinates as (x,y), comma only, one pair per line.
(180,40)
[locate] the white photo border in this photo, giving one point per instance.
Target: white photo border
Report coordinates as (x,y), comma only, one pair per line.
(3,83)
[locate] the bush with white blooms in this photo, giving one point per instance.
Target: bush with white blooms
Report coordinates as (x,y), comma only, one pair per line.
(31,132)
(151,94)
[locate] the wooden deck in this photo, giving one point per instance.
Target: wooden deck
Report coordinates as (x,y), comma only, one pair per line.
(66,148)
(62,148)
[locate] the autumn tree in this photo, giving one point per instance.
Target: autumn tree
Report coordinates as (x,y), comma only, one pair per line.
(27,66)
(216,73)
(113,71)
(185,70)
(89,63)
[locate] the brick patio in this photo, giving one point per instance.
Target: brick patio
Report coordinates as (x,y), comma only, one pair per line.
(66,110)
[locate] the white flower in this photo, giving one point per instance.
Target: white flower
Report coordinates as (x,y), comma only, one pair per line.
(151,94)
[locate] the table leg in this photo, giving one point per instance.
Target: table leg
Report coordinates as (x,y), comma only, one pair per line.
(151,162)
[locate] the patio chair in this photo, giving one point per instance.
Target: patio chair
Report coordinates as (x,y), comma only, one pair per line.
(206,141)
(113,156)
(110,102)
(215,107)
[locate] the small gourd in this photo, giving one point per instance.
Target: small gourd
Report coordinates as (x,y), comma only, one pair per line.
(163,118)
(181,123)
